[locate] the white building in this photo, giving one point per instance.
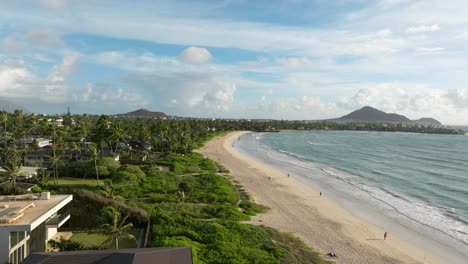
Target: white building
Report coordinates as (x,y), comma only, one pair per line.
(27,222)
(41,142)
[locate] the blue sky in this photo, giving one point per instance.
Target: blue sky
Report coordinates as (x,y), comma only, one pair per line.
(283,59)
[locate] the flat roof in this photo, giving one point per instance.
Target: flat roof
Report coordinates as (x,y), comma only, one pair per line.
(182,255)
(25,209)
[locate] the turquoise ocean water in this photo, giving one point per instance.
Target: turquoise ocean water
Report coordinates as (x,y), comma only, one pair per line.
(420,180)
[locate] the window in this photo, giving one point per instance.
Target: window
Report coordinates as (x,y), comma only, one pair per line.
(16,237)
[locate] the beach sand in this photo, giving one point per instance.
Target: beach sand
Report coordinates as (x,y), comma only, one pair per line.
(319,221)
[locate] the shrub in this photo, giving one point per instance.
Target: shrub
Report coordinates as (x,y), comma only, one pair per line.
(128,175)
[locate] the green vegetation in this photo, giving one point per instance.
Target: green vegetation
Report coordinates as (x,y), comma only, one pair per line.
(117,163)
(99,239)
(67,181)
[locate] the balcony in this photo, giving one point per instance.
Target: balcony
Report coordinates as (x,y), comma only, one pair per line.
(58,220)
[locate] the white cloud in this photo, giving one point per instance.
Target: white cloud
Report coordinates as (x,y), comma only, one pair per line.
(425,50)
(101,94)
(423,28)
(413,100)
(44,37)
(222,98)
(195,55)
(131,61)
(53,4)
(294,62)
(10,45)
(188,92)
(305,108)
(18,81)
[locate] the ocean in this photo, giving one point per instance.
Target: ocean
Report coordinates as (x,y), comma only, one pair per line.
(418,181)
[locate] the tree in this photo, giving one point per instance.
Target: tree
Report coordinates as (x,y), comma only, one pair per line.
(4,119)
(42,177)
(117,134)
(93,154)
(118,228)
(128,175)
(56,161)
(13,171)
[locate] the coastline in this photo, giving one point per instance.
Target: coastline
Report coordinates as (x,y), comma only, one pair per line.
(319,221)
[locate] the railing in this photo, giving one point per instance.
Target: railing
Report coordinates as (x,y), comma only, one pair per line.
(57,219)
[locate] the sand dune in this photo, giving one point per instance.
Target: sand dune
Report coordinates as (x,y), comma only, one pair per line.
(319,221)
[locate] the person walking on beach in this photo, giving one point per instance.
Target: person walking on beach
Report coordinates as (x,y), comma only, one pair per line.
(320,194)
(385,236)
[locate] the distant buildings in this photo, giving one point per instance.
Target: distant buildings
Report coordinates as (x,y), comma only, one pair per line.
(28,221)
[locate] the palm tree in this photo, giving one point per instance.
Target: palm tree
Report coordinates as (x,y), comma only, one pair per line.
(42,177)
(56,161)
(118,228)
(101,131)
(4,119)
(13,170)
(117,134)
(93,153)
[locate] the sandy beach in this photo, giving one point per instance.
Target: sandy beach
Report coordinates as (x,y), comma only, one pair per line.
(317,220)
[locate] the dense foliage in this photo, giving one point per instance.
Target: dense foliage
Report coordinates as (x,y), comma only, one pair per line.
(145,169)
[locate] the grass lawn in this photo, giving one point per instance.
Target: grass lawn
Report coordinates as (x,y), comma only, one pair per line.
(77,181)
(98,238)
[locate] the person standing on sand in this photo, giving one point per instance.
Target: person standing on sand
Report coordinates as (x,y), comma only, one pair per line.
(385,236)
(320,194)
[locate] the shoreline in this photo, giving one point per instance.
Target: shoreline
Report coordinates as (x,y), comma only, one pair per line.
(319,221)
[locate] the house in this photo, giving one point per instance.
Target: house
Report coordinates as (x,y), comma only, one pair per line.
(40,158)
(25,172)
(181,255)
(41,142)
(28,221)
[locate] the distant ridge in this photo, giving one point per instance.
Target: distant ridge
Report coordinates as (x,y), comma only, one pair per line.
(369,115)
(144,113)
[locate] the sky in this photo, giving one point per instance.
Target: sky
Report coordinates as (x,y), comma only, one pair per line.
(280,59)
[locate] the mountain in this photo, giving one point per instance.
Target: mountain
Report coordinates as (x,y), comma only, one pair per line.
(144,113)
(369,114)
(427,121)
(8,106)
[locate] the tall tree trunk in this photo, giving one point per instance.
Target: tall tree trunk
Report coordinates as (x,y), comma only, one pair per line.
(97,174)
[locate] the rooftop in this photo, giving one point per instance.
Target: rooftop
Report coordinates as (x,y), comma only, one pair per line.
(25,170)
(27,208)
(181,255)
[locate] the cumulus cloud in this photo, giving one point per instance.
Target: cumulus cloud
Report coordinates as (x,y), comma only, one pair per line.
(131,61)
(18,81)
(105,94)
(294,62)
(44,37)
(188,92)
(413,100)
(195,55)
(304,108)
(423,28)
(53,4)
(426,50)
(459,97)
(10,45)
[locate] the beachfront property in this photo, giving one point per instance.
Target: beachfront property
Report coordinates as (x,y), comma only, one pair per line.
(28,221)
